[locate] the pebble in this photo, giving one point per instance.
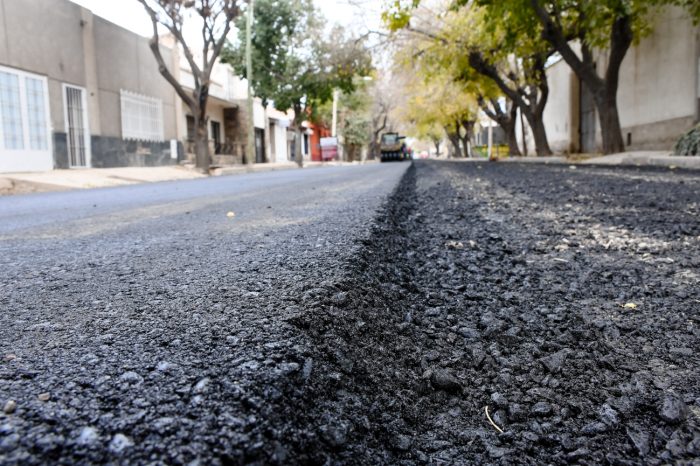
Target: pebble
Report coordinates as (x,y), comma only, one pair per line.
(88,436)
(640,440)
(119,443)
(132,378)
(608,415)
(499,400)
(443,380)
(335,434)
(673,409)
(44,396)
(202,386)
(542,409)
(554,362)
(402,443)
(10,407)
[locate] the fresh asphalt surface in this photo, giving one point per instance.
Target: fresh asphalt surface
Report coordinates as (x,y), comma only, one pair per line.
(384,314)
(150,315)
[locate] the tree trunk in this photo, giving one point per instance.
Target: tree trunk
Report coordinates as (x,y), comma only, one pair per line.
(298,155)
(539,132)
(453,136)
(456,149)
(468,127)
(437,148)
(604,89)
(201,144)
(610,128)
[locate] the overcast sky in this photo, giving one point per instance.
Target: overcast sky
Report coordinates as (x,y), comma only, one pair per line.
(129,14)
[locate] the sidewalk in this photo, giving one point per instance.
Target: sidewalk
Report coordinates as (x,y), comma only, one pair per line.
(635,158)
(63,180)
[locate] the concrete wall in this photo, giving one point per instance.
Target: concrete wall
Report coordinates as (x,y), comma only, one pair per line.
(658,96)
(561,113)
(125,61)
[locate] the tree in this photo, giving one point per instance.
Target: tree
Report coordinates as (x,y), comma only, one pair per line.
(295,64)
(471,41)
(608,27)
(215,17)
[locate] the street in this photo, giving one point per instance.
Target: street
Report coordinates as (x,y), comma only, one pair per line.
(424,313)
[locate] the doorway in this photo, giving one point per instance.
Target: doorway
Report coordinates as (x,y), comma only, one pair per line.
(77,132)
(259,145)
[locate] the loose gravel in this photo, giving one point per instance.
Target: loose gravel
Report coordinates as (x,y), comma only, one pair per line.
(493,314)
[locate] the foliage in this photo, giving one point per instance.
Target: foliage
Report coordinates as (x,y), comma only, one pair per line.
(689,143)
(295,64)
(215,18)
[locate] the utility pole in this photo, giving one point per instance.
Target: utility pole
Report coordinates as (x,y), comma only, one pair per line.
(250,148)
(334,126)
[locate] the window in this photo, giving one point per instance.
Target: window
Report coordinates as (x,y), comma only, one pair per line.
(23,111)
(142,117)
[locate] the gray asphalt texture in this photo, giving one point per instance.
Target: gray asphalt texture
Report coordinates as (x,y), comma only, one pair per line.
(364,315)
(157,325)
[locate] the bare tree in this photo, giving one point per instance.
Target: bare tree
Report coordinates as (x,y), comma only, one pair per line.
(215,17)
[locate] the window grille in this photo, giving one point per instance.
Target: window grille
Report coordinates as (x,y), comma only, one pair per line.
(142,117)
(12,127)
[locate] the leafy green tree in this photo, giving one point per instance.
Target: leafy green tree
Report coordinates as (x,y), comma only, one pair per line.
(472,41)
(296,64)
(215,18)
(608,27)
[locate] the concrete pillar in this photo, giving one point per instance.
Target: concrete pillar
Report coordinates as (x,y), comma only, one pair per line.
(91,81)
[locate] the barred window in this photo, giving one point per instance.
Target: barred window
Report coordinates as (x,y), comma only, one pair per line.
(142,117)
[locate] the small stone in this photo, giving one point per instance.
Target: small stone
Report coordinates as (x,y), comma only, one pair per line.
(335,434)
(119,443)
(673,409)
(340,299)
(499,400)
(88,436)
(554,362)
(202,386)
(443,380)
(578,454)
(44,396)
(594,428)
(10,407)
(469,333)
(640,440)
(542,409)
(131,378)
(10,357)
(164,366)
(516,412)
(608,415)
(402,442)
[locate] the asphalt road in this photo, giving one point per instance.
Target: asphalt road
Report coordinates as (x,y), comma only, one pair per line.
(447,313)
(147,323)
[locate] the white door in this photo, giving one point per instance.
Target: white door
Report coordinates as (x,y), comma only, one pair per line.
(77,131)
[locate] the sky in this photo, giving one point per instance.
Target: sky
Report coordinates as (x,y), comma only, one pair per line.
(359,14)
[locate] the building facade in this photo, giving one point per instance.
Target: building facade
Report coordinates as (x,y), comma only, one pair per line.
(77,91)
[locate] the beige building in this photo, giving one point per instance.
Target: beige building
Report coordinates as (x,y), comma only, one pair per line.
(77,91)
(658,97)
